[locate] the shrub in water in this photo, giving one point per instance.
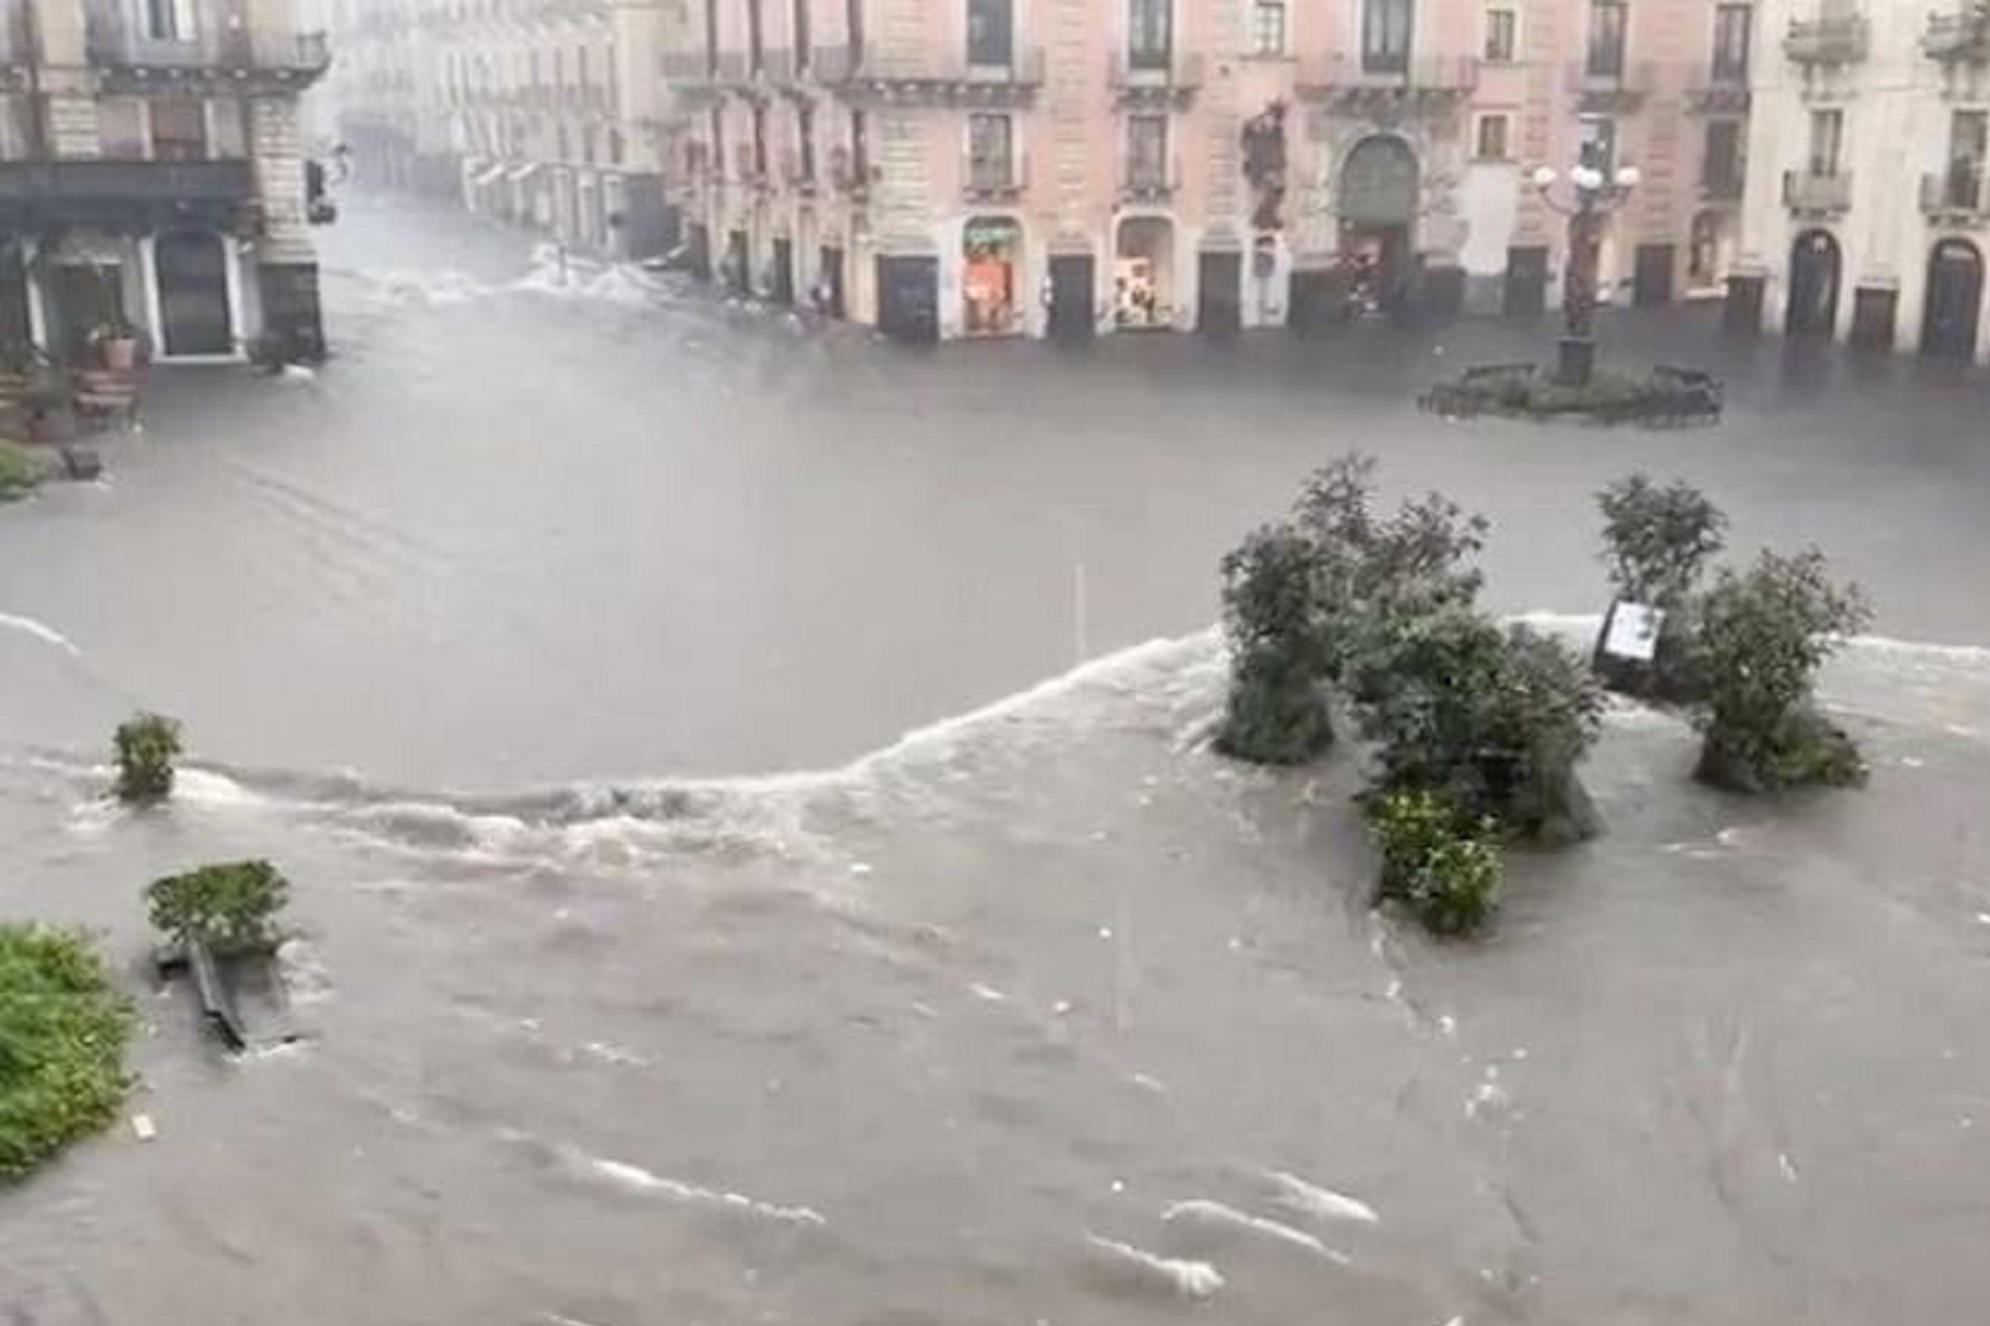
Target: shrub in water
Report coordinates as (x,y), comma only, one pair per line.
(20,472)
(1764,634)
(147,745)
(1441,865)
(1276,713)
(62,1037)
(230,908)
(1494,722)
(1657,543)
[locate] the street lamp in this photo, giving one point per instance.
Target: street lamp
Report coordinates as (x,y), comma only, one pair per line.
(1591,197)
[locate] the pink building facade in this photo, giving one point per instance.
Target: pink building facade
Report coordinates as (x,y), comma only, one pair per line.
(960,168)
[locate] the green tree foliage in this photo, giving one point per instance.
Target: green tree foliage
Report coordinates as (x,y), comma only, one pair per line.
(1658,541)
(1493,721)
(20,472)
(1444,866)
(1276,712)
(1764,634)
(147,745)
(63,1031)
(231,908)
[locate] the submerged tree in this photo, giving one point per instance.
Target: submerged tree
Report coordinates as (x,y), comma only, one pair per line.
(1277,713)
(1657,543)
(1764,634)
(230,908)
(147,745)
(1441,864)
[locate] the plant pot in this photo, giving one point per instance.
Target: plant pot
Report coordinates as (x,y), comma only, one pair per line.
(120,353)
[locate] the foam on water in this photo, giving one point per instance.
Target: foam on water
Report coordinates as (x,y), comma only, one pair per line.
(1190,1279)
(1321,1203)
(636,1179)
(1213,1212)
(41,631)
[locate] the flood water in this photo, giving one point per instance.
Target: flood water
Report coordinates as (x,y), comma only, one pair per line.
(562,643)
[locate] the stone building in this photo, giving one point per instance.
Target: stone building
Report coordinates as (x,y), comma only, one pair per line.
(151,176)
(548,113)
(984,167)
(1866,204)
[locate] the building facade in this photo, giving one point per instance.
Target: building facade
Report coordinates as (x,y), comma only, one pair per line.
(151,178)
(1867,211)
(547,113)
(989,167)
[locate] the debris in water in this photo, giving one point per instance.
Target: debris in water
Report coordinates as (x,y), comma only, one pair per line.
(988,992)
(1789,1170)
(1061,1007)
(1152,1084)
(1321,1203)
(1119,1185)
(1189,1279)
(637,1179)
(141,1124)
(1219,1214)
(1448,1025)
(1983,918)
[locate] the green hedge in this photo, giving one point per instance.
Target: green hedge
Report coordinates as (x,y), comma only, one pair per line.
(20,471)
(63,1031)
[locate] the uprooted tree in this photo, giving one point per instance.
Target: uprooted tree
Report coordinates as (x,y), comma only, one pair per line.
(1763,635)
(1657,542)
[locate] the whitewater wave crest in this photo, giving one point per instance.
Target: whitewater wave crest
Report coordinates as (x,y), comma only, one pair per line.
(1189,1279)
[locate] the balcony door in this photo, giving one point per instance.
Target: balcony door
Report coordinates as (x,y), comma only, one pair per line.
(1386,28)
(1150,33)
(1969,139)
(179,130)
(991,33)
(1827,141)
(171,20)
(1609,31)
(192,267)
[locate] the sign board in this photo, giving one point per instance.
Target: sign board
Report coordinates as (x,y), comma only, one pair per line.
(1632,633)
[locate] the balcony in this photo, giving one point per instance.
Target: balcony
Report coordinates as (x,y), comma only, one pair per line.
(866,77)
(1143,180)
(1812,194)
(1828,41)
(1955,196)
(124,196)
(259,60)
(1156,78)
(1611,85)
(1433,83)
(1720,89)
(995,179)
(1960,38)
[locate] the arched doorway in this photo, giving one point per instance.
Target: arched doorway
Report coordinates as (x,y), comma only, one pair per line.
(1814,267)
(1954,300)
(192,268)
(991,258)
(1378,206)
(1143,285)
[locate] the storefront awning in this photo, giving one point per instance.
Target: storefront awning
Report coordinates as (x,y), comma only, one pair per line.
(520,174)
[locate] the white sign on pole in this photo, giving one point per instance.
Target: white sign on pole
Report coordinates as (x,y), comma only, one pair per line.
(1633,632)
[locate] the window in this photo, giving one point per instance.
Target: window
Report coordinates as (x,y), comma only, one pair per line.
(803,39)
(1502,36)
(1720,167)
(1147,151)
(1827,141)
(179,130)
(1969,137)
(718,143)
(616,148)
(1492,145)
(756,53)
(711,36)
(805,133)
(121,128)
(860,147)
(1268,27)
(1598,138)
(1731,29)
(1385,35)
(587,144)
(559,68)
(990,32)
(990,163)
(853,19)
(170,20)
(1609,25)
(1150,33)
(580,66)
(760,141)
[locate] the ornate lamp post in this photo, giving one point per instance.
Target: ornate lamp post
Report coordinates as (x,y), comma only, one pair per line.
(1592,197)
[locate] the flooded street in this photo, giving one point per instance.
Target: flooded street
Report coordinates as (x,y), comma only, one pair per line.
(559,641)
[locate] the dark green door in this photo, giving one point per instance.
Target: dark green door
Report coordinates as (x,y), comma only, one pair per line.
(193,293)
